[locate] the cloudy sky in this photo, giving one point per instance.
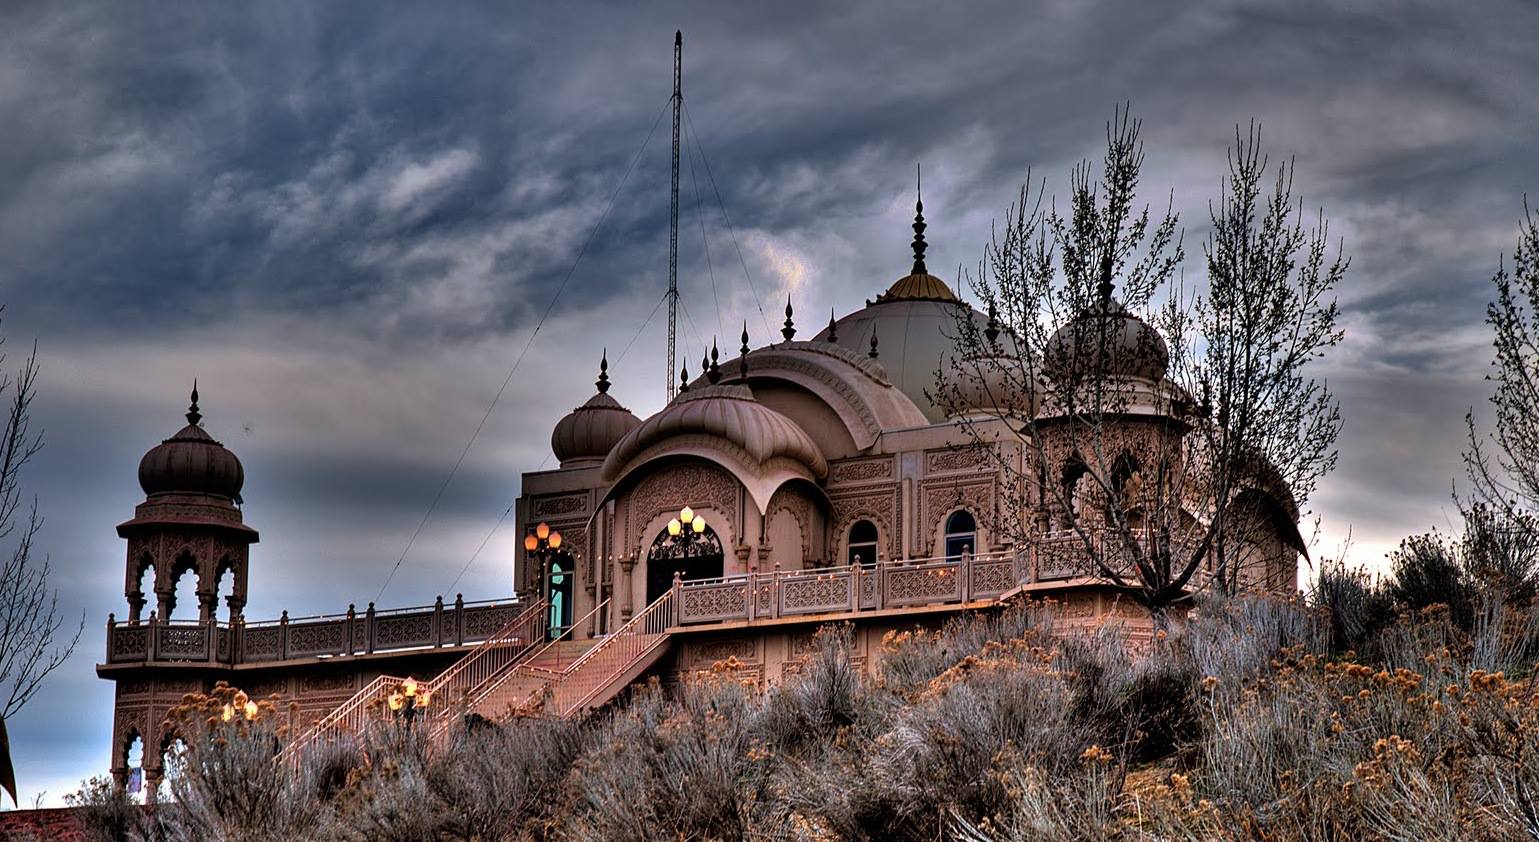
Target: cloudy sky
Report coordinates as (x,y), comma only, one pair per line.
(345,219)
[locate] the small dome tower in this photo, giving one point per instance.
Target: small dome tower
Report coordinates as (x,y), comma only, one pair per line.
(190,521)
(586,434)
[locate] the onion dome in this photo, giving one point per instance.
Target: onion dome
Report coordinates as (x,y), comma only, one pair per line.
(1107,339)
(722,420)
(191,462)
(990,387)
(586,434)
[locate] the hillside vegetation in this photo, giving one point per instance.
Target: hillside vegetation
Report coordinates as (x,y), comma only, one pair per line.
(1366,712)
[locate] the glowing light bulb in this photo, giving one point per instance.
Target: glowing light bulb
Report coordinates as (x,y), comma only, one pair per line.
(698,524)
(251,710)
(228,713)
(425,699)
(397,701)
(555,540)
(542,531)
(674,527)
(686,514)
(531,543)
(409,687)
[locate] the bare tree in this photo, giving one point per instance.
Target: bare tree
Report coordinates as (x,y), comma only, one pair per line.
(1165,452)
(30,623)
(1503,466)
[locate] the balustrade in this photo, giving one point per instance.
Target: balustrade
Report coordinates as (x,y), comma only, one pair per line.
(421,627)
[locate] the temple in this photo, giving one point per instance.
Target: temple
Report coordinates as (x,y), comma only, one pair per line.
(788,485)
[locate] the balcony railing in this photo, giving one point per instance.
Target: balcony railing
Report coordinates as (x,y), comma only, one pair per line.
(459,623)
(871,587)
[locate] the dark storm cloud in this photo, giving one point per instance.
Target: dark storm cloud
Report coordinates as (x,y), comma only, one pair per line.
(347,218)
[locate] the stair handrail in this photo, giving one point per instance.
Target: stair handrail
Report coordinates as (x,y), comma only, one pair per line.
(621,649)
(352,714)
(524,667)
(480,665)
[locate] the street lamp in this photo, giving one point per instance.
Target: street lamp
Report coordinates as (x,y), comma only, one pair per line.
(687,525)
(543,543)
(408,699)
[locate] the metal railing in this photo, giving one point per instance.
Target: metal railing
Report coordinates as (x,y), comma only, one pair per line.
(495,654)
(509,690)
(291,638)
(601,665)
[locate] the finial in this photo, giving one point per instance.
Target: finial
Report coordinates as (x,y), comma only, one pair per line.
(193,415)
(743,354)
(790,329)
(872,353)
(714,372)
(603,382)
(684,379)
(991,332)
(833,327)
(1104,289)
(919,226)
(705,362)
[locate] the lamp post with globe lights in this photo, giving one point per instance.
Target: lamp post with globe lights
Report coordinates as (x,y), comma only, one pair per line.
(544,545)
(408,700)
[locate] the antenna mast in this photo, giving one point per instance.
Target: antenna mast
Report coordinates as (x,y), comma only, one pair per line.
(673,213)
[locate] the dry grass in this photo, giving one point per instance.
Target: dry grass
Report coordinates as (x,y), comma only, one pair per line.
(1244,722)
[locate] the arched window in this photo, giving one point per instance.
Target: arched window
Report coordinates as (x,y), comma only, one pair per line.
(862,543)
(961,534)
(1073,493)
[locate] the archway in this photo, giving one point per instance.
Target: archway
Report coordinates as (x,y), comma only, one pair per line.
(561,575)
(692,555)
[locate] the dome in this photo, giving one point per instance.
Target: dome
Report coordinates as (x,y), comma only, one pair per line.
(191,462)
(727,414)
(991,387)
(587,434)
(1107,339)
(915,338)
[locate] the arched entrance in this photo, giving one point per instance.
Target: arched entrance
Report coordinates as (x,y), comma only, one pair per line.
(692,555)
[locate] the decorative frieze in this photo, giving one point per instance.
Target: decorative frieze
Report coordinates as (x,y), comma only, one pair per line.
(861,470)
(952,459)
(564,504)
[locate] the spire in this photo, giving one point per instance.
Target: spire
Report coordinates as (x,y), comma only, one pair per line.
(833,327)
(991,332)
(872,353)
(684,379)
(790,329)
(714,372)
(603,381)
(193,415)
(919,226)
(742,361)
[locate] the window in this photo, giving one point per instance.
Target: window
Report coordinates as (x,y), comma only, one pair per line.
(862,543)
(961,534)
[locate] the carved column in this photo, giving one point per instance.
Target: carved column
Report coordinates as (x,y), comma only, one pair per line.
(627,565)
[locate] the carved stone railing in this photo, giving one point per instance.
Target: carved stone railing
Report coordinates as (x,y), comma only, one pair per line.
(889,584)
(1049,557)
(1067,554)
(422,627)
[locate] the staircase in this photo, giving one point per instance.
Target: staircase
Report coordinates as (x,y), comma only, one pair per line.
(480,667)
(600,669)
